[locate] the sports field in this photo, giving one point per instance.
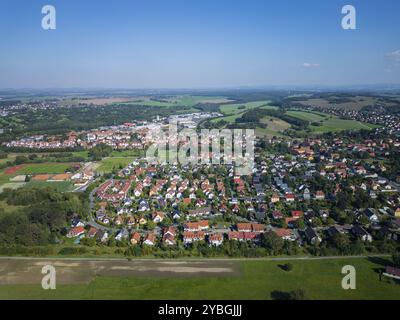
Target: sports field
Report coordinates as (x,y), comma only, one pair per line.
(199,279)
(32,169)
(39,168)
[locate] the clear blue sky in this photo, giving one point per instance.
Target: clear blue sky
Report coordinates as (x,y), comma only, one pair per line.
(198,43)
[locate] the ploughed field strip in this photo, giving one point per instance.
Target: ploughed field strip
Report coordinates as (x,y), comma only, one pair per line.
(28,271)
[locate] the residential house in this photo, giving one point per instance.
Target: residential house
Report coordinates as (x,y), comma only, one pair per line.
(196,226)
(285,234)
(311,236)
(290,197)
(319,195)
(192,236)
(75,231)
(199,212)
(150,239)
(92,232)
(157,217)
(361,233)
(215,239)
(135,238)
(372,215)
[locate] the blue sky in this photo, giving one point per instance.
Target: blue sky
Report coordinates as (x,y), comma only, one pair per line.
(198,44)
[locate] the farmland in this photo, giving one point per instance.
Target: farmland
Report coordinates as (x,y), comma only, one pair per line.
(275,127)
(229,109)
(197,279)
(234,111)
(345,102)
(328,123)
(182,100)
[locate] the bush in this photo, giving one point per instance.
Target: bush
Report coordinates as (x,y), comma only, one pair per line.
(288,267)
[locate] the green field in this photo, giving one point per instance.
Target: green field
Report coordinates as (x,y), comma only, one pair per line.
(258,280)
(329,123)
(229,109)
(108,165)
(180,101)
(38,168)
(232,111)
(127,153)
(275,127)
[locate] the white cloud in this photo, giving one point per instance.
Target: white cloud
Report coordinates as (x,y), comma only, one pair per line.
(395,55)
(311,65)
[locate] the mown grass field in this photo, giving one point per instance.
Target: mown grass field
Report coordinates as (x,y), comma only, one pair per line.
(108,165)
(329,123)
(258,280)
(39,168)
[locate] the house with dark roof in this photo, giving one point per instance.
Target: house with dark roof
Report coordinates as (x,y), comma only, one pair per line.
(311,235)
(360,233)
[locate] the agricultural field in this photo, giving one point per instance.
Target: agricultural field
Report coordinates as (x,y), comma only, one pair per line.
(179,101)
(229,119)
(196,279)
(275,127)
(229,109)
(347,103)
(235,111)
(329,123)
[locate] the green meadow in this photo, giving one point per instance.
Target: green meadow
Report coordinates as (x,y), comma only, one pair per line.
(258,280)
(39,168)
(328,123)
(229,109)
(108,165)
